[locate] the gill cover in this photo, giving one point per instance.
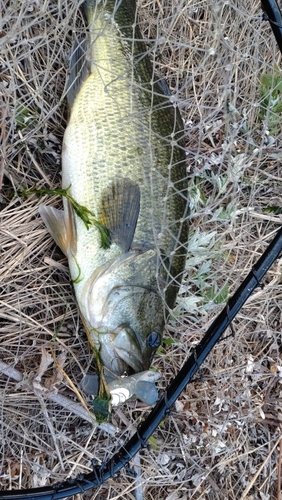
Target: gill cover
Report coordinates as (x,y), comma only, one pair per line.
(122,305)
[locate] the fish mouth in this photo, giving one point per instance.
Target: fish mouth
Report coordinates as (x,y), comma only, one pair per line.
(127,348)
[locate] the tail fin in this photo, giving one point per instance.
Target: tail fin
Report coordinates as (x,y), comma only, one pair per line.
(127,6)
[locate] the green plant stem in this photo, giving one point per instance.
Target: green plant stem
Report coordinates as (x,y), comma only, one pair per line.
(86,215)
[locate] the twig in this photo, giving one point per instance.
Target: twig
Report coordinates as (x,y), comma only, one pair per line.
(279,471)
(3,137)
(10,372)
(57,398)
(253,480)
(138,490)
(64,374)
(35,163)
(78,459)
(51,429)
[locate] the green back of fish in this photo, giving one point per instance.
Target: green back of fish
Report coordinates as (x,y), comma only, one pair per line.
(136,133)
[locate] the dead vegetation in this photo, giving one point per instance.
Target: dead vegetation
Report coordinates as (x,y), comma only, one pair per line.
(223,438)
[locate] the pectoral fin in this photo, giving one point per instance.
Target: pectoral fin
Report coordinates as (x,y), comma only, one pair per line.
(119,211)
(60,226)
(146,392)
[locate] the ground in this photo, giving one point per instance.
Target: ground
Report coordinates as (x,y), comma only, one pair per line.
(222,439)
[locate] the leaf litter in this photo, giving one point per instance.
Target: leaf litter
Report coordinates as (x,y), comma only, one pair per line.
(223,437)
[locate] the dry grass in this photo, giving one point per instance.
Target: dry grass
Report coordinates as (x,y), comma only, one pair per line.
(223,438)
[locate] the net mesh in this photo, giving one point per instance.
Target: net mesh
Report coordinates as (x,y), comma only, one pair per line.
(221,440)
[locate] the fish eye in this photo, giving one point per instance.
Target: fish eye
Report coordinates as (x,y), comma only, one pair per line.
(153,340)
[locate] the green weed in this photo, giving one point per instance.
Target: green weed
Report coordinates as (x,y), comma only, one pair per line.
(84,213)
(24,117)
(271,100)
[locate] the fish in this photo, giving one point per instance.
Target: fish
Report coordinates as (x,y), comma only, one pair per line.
(123,157)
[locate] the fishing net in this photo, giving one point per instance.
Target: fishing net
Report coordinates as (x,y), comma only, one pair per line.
(222,438)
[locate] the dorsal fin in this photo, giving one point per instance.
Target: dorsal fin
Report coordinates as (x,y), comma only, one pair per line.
(79,70)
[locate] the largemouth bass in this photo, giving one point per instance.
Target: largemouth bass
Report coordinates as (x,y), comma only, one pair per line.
(123,158)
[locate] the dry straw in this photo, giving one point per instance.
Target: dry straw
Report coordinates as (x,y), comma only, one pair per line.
(222,440)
